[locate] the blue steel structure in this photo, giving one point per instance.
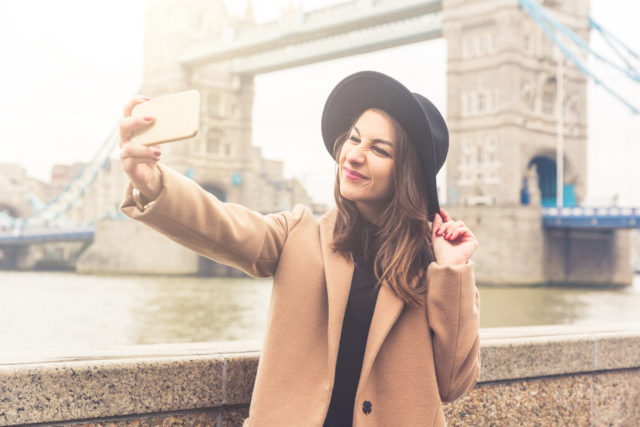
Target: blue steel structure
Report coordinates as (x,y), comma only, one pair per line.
(48,222)
(25,237)
(581,217)
(556,31)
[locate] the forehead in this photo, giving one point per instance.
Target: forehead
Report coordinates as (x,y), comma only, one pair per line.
(376,121)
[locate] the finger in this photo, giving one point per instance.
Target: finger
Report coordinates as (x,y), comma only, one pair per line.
(454,235)
(445,216)
(447,228)
(437,223)
(461,233)
(140,152)
(451,227)
(129,126)
(447,233)
(138,99)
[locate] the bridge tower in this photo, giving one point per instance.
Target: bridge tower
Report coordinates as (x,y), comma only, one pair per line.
(220,155)
(501,105)
(502,113)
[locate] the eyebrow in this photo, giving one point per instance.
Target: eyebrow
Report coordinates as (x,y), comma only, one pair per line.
(379,140)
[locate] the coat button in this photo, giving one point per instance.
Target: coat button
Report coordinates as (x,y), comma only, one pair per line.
(366,407)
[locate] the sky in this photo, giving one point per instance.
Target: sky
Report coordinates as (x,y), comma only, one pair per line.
(67,68)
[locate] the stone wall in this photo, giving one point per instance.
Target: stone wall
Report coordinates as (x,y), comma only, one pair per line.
(511,240)
(589,257)
(130,247)
(553,375)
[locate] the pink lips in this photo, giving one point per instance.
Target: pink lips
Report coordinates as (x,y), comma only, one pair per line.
(353,175)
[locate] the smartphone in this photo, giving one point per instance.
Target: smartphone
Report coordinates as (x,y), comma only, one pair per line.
(176,116)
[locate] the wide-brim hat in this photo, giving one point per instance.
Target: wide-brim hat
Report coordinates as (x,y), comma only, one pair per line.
(416,114)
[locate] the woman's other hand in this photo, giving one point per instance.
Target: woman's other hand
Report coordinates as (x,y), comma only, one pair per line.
(139,161)
(453,242)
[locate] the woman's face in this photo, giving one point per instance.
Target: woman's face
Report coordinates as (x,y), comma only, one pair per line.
(366,163)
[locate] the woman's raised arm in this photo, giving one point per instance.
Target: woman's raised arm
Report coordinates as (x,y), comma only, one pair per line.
(179,208)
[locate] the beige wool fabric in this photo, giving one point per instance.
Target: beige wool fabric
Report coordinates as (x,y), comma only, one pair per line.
(415,357)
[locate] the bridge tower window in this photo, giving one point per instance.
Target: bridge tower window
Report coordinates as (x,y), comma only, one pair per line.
(549,95)
(482,102)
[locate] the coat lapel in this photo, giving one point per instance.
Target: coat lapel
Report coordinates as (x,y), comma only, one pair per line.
(387,311)
(338,272)
(338,275)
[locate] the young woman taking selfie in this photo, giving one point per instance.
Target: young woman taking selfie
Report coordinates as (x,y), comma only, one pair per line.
(373,318)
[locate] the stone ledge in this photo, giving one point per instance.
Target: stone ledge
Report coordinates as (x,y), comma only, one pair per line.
(143,380)
(538,351)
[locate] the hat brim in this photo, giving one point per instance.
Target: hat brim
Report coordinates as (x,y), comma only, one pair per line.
(369,89)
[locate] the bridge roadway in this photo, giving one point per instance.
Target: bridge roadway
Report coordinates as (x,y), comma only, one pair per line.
(565,218)
(43,235)
(591,217)
(342,30)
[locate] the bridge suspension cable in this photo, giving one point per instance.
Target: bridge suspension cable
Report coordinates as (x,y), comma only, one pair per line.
(556,31)
(74,190)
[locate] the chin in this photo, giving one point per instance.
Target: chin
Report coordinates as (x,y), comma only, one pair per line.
(347,196)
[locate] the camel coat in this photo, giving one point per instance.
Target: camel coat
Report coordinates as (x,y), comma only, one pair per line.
(415,357)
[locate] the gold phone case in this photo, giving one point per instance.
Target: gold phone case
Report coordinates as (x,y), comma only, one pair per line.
(176,116)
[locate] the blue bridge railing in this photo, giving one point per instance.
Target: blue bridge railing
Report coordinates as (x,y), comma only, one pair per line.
(591,217)
(43,235)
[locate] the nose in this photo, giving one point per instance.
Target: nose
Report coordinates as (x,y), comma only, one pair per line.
(355,155)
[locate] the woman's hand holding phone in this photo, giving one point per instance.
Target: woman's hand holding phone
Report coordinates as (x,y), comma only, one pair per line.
(139,161)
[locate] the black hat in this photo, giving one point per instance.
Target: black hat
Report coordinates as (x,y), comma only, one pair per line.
(416,114)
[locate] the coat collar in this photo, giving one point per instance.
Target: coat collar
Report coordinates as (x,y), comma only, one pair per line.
(338,271)
(338,275)
(387,311)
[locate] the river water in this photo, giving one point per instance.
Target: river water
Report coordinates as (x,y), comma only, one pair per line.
(53,314)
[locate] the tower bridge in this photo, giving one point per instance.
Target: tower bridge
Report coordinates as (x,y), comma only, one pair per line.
(508,106)
(346,29)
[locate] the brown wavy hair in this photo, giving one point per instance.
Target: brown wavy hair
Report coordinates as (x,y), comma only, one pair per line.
(401,240)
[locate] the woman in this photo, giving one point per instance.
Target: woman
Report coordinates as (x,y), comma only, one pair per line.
(373,317)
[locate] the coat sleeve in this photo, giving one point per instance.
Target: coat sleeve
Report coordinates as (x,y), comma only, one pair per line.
(225,232)
(454,318)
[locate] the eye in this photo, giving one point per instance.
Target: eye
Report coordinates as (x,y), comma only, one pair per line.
(354,138)
(380,151)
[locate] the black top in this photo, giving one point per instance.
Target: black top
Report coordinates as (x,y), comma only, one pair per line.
(355,329)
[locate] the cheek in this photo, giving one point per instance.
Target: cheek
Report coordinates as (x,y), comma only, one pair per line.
(342,155)
(385,176)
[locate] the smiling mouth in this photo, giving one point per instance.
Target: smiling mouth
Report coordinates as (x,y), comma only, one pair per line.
(353,175)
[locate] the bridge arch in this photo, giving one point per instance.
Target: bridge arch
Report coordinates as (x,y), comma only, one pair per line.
(546,168)
(9,210)
(216,189)
(8,256)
